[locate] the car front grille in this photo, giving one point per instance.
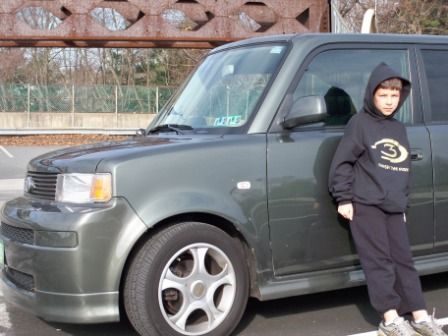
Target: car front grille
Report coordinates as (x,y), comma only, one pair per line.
(25,236)
(42,185)
(20,279)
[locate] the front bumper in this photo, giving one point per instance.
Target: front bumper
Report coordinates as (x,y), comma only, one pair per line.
(64,263)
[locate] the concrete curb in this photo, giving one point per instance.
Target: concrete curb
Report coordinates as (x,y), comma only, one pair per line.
(35,131)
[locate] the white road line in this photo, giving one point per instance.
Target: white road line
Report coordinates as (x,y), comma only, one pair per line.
(4,315)
(4,150)
(442,321)
(11,184)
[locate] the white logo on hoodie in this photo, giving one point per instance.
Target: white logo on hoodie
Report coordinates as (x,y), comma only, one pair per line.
(391,151)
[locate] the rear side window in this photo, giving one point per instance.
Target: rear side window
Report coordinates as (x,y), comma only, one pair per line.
(436,66)
(341,76)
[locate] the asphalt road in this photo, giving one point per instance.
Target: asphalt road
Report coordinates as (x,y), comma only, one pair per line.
(337,313)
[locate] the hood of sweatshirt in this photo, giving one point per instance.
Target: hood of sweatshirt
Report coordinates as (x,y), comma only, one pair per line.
(381,73)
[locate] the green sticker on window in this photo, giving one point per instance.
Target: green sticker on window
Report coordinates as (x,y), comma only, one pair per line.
(233,120)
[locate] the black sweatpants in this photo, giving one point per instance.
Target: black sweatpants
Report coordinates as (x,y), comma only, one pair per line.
(383,247)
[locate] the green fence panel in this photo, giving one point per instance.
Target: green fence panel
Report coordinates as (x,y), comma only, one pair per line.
(83,98)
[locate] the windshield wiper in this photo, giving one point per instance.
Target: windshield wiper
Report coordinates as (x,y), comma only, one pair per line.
(171,128)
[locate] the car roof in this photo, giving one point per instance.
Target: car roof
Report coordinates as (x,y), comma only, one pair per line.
(324,38)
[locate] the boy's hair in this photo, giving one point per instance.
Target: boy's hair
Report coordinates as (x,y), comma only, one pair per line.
(391,83)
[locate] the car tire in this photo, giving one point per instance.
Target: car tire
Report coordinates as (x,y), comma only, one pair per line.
(189,279)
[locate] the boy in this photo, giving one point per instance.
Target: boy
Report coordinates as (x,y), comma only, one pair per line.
(369,178)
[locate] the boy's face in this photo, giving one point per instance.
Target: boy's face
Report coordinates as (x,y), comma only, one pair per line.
(386,100)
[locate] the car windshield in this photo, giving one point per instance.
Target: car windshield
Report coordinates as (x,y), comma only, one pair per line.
(223,92)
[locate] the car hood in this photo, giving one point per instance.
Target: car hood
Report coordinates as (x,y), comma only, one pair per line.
(85,158)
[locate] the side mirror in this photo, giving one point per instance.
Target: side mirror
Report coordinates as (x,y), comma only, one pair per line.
(140,132)
(305,110)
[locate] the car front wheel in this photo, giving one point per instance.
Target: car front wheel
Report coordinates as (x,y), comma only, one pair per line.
(189,279)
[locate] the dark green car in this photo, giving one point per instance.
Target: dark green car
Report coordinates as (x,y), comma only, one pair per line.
(224,196)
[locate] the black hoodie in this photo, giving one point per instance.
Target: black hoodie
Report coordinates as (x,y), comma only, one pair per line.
(371,164)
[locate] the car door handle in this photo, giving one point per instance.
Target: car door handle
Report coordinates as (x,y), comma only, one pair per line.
(416,155)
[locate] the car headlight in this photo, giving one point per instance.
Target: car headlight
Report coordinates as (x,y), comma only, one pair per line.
(84,188)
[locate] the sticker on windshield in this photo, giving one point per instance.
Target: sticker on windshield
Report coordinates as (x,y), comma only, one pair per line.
(228,121)
(276,50)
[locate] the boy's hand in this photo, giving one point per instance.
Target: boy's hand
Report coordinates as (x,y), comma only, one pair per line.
(346,211)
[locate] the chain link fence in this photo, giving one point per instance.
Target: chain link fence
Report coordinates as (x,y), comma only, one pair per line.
(83,99)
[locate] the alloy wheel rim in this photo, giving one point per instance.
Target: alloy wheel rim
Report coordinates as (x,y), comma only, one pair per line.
(197,289)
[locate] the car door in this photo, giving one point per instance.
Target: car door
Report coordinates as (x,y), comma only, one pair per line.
(306,233)
(434,65)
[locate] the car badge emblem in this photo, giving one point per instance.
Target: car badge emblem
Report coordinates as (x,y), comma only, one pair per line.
(29,184)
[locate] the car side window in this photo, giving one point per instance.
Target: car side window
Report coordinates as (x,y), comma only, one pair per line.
(340,76)
(436,66)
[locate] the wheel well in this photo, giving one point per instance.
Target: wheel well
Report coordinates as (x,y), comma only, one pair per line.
(209,219)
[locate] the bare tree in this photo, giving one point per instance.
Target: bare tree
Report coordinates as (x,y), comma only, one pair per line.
(12,59)
(421,17)
(400,16)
